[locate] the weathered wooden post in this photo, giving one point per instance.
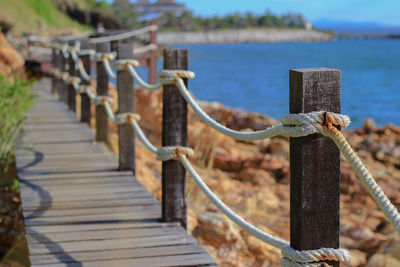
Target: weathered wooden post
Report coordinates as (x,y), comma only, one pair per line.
(314,164)
(63,86)
(126,103)
(174,133)
(85,100)
(102,89)
(152,59)
(54,62)
(71,95)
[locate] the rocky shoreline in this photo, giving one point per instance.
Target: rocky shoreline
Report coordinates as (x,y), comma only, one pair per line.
(253,179)
(241,36)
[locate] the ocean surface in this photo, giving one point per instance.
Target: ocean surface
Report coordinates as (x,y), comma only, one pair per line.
(255,77)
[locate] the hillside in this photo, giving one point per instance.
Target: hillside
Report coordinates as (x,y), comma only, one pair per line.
(35,16)
(53,16)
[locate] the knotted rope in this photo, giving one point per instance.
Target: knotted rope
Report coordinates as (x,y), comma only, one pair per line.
(122,64)
(173,152)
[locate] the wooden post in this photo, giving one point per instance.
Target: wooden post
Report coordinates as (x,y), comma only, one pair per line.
(54,62)
(314,164)
(126,103)
(71,90)
(102,89)
(63,86)
(152,59)
(174,133)
(85,100)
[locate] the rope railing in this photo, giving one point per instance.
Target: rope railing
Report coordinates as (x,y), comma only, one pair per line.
(292,125)
(124,35)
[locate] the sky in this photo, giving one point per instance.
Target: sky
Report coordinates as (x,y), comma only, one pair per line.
(380,11)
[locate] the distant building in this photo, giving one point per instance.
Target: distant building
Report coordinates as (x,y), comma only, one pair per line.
(122,2)
(161,6)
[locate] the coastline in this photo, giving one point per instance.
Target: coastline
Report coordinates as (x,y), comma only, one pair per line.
(242,36)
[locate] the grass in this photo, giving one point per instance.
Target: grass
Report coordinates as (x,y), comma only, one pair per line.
(35,16)
(15,100)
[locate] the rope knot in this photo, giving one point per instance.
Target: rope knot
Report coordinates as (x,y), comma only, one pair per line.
(170,76)
(308,258)
(302,124)
(72,80)
(84,88)
(173,152)
(104,56)
(54,72)
(122,64)
(102,100)
(126,118)
(64,76)
(87,52)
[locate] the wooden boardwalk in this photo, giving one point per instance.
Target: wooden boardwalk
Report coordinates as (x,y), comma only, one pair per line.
(79,210)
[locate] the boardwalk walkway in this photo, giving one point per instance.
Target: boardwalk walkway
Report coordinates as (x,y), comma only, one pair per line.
(79,210)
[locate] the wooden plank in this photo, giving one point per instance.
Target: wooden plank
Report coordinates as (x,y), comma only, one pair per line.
(93,196)
(90,245)
(90,211)
(102,89)
(103,234)
(314,164)
(95,174)
(201,259)
(45,229)
(120,202)
(174,133)
(126,104)
(61,194)
(117,254)
(81,219)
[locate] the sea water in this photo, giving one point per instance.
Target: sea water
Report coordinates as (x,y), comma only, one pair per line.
(255,77)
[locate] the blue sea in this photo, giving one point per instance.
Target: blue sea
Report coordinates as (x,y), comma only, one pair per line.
(255,77)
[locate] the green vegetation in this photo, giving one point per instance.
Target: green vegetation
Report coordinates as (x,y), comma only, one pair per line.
(127,16)
(35,16)
(15,100)
(188,21)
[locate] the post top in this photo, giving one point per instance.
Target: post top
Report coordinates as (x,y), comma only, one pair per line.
(305,70)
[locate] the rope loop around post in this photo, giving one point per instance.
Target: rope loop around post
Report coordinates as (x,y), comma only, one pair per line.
(64,76)
(104,56)
(307,258)
(85,88)
(170,76)
(173,152)
(124,118)
(72,80)
(102,99)
(122,64)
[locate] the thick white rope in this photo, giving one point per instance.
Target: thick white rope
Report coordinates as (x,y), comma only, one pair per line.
(142,137)
(142,83)
(108,68)
(365,176)
(145,49)
(292,257)
(124,35)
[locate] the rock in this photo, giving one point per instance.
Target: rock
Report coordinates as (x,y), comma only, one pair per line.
(216,230)
(382,260)
(10,60)
(255,176)
(278,147)
(357,257)
(369,126)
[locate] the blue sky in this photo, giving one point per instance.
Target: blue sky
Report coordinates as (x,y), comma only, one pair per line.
(381,11)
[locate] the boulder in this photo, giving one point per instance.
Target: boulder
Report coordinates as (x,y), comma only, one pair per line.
(10,60)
